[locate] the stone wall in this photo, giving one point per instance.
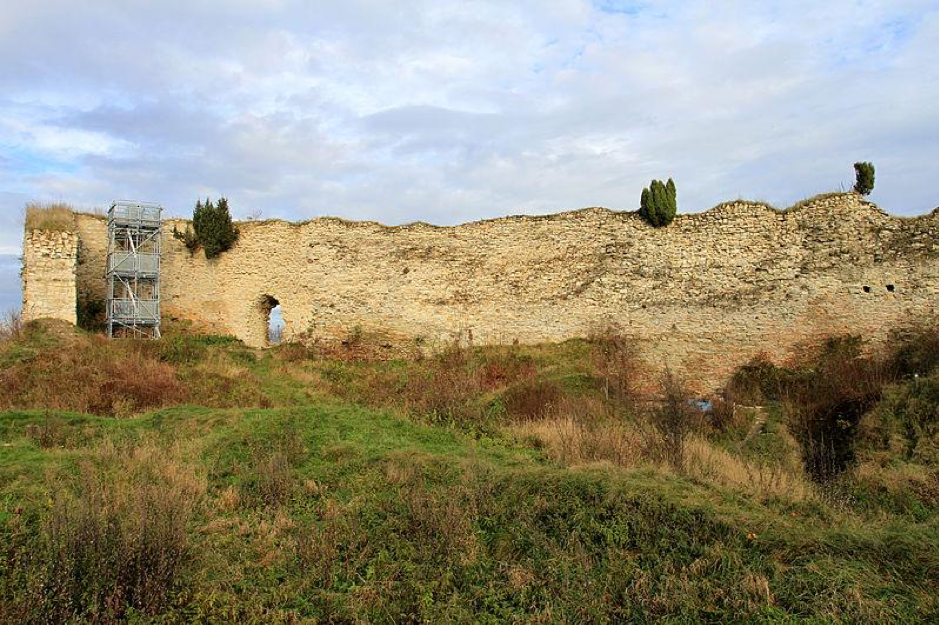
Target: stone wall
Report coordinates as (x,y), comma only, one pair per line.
(49,284)
(702,295)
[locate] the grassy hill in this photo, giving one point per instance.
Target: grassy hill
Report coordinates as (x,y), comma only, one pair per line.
(195,479)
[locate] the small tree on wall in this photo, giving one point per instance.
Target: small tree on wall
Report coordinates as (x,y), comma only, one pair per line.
(658,204)
(212,228)
(864,177)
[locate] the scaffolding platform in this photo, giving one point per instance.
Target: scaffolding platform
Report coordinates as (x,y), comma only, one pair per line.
(133,270)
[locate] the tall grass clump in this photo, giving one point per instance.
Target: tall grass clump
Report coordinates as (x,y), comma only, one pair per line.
(50,217)
(113,540)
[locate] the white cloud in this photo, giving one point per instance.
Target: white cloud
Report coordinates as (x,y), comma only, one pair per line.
(445,111)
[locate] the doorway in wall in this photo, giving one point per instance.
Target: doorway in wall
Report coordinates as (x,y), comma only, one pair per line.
(275,319)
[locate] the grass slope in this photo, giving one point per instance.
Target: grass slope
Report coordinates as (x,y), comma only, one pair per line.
(331,507)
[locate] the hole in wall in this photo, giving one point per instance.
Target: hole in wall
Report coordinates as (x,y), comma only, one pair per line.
(273,319)
(890,288)
(867,289)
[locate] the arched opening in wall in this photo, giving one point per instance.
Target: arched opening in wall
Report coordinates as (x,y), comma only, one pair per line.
(273,319)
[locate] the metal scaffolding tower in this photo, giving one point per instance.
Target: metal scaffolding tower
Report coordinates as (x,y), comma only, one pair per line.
(133,271)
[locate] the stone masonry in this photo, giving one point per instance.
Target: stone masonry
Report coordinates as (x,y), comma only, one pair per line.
(702,295)
(49,285)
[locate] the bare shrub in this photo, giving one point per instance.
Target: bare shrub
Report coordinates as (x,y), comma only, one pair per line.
(332,545)
(55,217)
(11,325)
(913,352)
(825,406)
(673,420)
(615,358)
(725,416)
(444,520)
(52,432)
(115,537)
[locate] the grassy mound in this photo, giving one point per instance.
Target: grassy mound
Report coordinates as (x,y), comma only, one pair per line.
(476,485)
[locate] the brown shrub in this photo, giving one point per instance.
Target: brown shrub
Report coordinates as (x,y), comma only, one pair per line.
(269,477)
(725,416)
(532,399)
(96,376)
(673,420)
(615,358)
(335,544)
(825,405)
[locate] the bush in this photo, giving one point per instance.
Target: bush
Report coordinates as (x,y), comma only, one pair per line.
(212,226)
(659,204)
(615,358)
(113,540)
(674,420)
(914,352)
(906,423)
(826,404)
(864,177)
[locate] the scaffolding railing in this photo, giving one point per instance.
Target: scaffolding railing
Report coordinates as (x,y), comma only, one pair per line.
(133,270)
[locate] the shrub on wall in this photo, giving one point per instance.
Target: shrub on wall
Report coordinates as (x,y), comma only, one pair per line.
(864,177)
(659,203)
(212,228)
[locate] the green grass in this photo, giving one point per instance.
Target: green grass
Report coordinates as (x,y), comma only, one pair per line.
(335,506)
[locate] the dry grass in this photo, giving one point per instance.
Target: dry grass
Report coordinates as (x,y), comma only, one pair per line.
(580,431)
(53,217)
(711,464)
(96,376)
(119,378)
(115,536)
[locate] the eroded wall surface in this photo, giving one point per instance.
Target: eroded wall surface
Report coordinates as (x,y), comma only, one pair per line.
(49,281)
(702,295)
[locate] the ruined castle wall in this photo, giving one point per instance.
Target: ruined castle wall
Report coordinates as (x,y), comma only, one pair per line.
(49,283)
(703,294)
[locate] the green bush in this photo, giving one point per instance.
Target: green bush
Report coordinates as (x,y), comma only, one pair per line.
(907,421)
(658,203)
(864,177)
(212,228)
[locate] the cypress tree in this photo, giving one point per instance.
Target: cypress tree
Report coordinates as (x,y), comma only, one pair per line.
(645,205)
(212,226)
(864,177)
(661,203)
(672,201)
(658,204)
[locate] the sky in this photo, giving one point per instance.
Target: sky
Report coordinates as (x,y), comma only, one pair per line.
(447,111)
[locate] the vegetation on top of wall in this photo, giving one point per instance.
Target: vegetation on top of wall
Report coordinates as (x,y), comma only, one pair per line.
(54,217)
(212,228)
(864,177)
(658,204)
